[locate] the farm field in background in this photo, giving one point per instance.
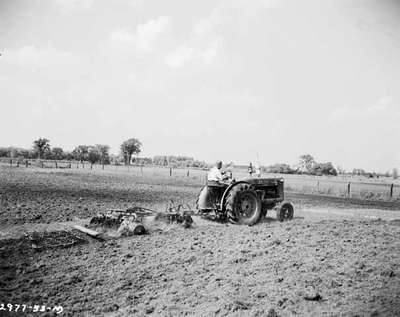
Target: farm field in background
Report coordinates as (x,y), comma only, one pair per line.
(383,188)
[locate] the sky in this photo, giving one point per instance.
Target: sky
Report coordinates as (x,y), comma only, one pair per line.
(225,79)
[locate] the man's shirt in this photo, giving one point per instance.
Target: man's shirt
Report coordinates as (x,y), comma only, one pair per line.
(214,175)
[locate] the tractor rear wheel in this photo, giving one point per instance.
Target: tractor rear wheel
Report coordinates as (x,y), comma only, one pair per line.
(243,205)
(285,211)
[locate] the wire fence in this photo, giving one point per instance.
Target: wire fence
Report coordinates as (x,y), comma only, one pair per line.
(341,186)
(346,188)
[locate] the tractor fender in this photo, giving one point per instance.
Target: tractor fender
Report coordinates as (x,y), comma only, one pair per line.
(226,192)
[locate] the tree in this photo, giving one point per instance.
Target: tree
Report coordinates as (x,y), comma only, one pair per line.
(69,156)
(81,153)
(99,153)
(4,152)
(20,153)
(280,168)
(395,173)
(57,153)
(103,151)
(359,172)
(41,146)
(130,147)
(387,174)
(323,169)
(93,155)
(306,162)
(23,153)
(340,170)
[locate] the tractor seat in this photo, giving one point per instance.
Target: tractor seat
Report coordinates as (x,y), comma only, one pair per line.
(216,184)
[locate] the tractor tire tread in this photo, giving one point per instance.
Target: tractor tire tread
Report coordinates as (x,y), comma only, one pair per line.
(230,202)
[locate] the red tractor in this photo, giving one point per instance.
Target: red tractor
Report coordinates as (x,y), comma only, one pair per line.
(245,201)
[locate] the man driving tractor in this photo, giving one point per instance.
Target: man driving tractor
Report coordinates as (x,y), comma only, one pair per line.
(216,176)
(244,201)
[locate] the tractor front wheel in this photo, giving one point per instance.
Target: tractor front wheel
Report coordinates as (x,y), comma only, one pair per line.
(284,211)
(243,205)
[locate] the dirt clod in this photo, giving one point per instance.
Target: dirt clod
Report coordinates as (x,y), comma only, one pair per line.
(312,295)
(388,273)
(272,313)
(282,301)
(149,310)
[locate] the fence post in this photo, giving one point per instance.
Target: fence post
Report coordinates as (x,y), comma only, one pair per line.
(56,165)
(187,173)
(102,166)
(318,186)
(18,163)
(170,171)
(42,163)
(11,162)
(348,189)
(391,191)
(26,163)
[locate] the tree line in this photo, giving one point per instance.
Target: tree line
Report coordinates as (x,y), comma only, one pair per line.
(308,165)
(42,149)
(129,150)
(98,153)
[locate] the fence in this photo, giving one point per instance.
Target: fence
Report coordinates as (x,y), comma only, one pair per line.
(385,189)
(37,163)
(50,163)
(345,188)
(148,170)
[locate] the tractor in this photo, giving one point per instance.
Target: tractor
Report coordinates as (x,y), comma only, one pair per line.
(244,201)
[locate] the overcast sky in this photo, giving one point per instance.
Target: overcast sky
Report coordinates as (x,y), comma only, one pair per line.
(209,79)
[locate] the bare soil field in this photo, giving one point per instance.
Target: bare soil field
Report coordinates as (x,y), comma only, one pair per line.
(338,257)
(40,195)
